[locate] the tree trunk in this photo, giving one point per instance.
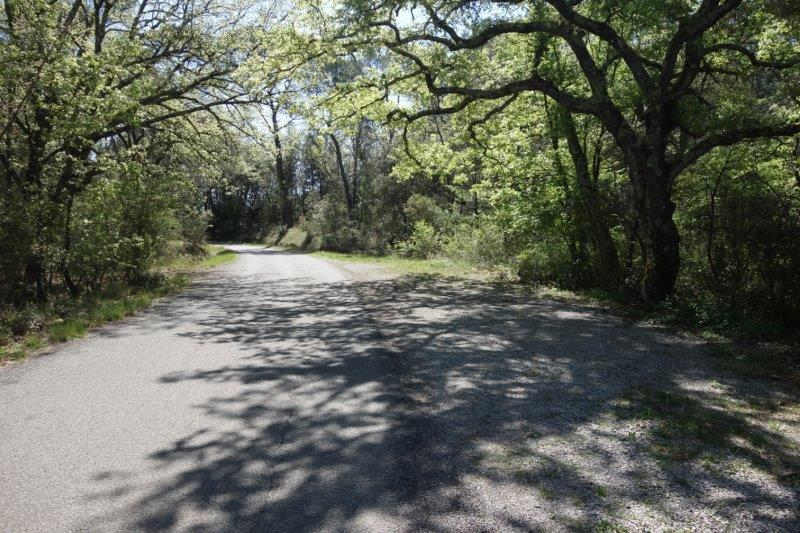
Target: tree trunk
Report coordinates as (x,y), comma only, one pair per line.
(608,271)
(35,274)
(73,289)
(283,183)
(358,157)
(287,218)
(659,234)
(343,175)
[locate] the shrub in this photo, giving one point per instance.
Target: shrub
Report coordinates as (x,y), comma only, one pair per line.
(740,258)
(421,208)
(480,242)
(119,227)
(423,242)
(18,322)
(546,262)
(192,224)
(329,222)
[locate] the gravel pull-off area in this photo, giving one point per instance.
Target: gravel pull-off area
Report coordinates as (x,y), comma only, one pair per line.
(285,394)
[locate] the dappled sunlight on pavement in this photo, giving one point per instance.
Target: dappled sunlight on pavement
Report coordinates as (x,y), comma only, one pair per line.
(317,402)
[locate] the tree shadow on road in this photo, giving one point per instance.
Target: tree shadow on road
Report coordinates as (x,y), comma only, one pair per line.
(441,405)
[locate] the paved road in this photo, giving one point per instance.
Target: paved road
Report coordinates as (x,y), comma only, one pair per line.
(283,393)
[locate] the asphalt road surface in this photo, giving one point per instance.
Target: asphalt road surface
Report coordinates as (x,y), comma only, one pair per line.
(283,393)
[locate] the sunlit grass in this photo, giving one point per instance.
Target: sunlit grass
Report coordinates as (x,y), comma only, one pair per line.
(65,320)
(67,329)
(218,258)
(216,255)
(295,238)
(406,265)
(773,361)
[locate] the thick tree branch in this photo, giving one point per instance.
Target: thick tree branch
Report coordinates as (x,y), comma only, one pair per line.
(632,59)
(705,17)
(750,55)
(729,138)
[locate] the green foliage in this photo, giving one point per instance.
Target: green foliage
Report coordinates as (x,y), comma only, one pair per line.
(193,224)
(537,151)
(741,218)
(545,263)
(65,330)
(421,208)
(238,204)
(491,95)
(18,322)
(210,256)
(329,221)
(118,228)
(479,241)
(423,242)
(105,130)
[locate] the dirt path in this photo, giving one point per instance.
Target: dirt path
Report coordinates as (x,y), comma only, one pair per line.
(283,393)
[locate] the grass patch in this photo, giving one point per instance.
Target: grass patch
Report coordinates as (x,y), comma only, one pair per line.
(734,350)
(295,238)
(684,428)
(64,319)
(405,265)
(219,258)
(774,361)
(25,331)
(65,330)
(604,526)
(216,255)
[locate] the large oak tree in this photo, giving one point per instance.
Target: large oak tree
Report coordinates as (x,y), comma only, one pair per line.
(670,81)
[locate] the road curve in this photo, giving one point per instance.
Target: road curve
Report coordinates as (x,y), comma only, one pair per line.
(282,393)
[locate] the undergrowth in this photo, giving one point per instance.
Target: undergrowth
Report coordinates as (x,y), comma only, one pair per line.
(24,331)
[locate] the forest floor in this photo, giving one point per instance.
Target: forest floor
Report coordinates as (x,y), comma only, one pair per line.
(287,392)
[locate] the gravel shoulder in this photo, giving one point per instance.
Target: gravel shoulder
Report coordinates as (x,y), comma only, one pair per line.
(287,393)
